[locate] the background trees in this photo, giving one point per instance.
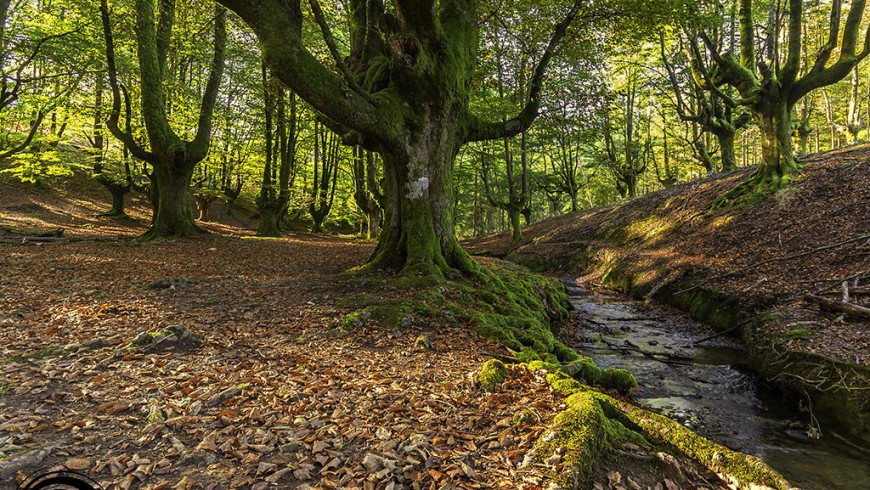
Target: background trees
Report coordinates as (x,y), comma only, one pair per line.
(626,106)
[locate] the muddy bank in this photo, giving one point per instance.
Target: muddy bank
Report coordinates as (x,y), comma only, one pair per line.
(743,270)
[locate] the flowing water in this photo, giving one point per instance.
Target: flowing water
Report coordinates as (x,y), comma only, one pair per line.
(707,388)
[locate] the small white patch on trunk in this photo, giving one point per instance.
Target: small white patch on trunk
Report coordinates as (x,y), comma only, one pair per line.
(417,188)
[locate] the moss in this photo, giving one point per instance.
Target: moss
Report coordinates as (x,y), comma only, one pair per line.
(740,469)
(537,365)
(618,379)
(355,319)
(527,355)
(565,384)
(492,373)
(564,353)
(179,332)
(578,436)
(584,369)
(46,353)
(4,388)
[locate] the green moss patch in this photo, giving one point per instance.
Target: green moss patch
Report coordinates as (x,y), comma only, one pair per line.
(741,470)
(595,423)
(503,302)
(492,374)
(618,379)
(575,444)
(47,353)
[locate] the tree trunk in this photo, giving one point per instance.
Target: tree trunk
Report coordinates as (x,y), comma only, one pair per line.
(778,160)
(516,230)
(726,148)
(174,216)
(267,226)
(418,235)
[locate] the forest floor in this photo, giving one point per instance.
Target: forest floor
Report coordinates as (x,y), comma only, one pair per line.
(808,238)
(275,393)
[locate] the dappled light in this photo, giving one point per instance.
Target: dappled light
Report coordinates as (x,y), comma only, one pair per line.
(320,245)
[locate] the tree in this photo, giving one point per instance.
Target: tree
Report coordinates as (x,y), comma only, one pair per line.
(516,188)
(626,151)
(708,111)
(267,199)
(367,192)
(36,65)
(327,155)
(769,80)
(172,158)
(403,91)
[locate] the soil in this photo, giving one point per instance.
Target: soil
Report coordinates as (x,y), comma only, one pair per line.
(268,390)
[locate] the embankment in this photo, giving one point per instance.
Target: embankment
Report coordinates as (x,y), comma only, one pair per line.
(744,270)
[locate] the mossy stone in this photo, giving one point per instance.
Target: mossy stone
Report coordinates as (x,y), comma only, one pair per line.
(492,373)
(618,379)
(527,355)
(584,369)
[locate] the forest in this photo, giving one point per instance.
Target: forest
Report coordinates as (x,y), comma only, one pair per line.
(352,244)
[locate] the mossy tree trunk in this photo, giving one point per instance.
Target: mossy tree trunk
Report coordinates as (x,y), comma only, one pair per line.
(367,193)
(403,92)
(172,159)
(267,203)
(771,89)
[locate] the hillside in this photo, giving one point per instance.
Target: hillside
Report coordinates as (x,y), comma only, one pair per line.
(74,203)
(746,269)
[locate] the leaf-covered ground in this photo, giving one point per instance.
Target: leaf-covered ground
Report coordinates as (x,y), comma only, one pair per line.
(266,389)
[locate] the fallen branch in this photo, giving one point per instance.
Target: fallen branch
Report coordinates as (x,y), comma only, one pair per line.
(839,306)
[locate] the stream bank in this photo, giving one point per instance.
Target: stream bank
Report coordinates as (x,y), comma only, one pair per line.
(743,270)
(705,384)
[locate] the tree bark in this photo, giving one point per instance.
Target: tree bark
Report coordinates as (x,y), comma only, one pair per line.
(174,208)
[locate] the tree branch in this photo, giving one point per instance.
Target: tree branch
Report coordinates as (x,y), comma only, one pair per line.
(126,137)
(198,148)
(333,49)
(33,128)
(275,26)
(481,130)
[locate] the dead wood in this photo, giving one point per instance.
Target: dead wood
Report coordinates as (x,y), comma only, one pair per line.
(839,306)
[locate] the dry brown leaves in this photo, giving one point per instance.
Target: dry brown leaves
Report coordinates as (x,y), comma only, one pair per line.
(275,397)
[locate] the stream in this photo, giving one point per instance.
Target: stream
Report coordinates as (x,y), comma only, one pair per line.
(707,388)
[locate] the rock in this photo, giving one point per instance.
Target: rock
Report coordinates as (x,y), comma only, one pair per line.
(423,343)
(291,447)
(27,462)
(97,343)
(78,464)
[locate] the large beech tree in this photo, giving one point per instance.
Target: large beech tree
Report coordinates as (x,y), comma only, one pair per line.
(770,81)
(173,159)
(403,91)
